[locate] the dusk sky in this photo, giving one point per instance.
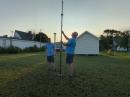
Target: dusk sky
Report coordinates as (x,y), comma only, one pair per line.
(79,15)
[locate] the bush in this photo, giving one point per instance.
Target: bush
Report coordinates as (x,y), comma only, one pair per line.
(2,50)
(10,50)
(33,49)
(14,50)
(42,48)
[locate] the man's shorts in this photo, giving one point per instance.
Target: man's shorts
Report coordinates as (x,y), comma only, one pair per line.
(69,58)
(50,59)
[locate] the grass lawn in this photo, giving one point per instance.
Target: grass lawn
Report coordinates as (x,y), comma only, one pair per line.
(27,75)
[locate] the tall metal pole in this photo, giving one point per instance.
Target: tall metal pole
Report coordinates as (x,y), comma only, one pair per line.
(55,40)
(61,39)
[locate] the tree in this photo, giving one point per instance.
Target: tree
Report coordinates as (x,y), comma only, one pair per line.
(125,39)
(110,39)
(104,43)
(41,37)
(5,36)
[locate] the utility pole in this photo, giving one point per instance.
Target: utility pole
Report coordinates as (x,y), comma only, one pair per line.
(11,36)
(113,43)
(54,38)
(54,45)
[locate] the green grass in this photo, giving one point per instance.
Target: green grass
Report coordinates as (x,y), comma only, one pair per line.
(27,75)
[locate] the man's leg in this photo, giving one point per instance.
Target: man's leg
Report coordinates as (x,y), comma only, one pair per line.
(71,65)
(53,66)
(49,62)
(53,63)
(71,70)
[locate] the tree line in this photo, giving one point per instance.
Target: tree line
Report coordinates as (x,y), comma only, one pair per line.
(41,37)
(111,39)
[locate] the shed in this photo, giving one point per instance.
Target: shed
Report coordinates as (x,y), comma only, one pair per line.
(87,44)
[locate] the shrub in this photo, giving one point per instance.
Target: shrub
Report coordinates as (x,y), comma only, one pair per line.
(10,50)
(2,50)
(14,50)
(33,49)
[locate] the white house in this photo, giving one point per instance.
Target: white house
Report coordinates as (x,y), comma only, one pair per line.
(87,44)
(21,39)
(23,35)
(7,42)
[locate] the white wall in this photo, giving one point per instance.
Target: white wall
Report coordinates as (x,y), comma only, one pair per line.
(6,42)
(87,44)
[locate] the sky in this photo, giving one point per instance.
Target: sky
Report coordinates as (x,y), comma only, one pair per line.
(79,15)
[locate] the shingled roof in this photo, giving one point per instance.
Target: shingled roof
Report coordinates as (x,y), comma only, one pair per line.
(24,35)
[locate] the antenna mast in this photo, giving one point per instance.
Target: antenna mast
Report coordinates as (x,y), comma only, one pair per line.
(61,38)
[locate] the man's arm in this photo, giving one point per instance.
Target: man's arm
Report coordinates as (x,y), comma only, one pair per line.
(65,35)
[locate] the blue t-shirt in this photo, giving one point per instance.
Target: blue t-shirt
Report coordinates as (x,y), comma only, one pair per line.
(50,49)
(71,46)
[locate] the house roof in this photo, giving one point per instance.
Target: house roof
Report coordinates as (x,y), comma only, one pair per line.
(86,32)
(24,35)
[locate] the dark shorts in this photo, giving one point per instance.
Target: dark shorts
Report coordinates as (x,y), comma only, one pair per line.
(69,58)
(50,59)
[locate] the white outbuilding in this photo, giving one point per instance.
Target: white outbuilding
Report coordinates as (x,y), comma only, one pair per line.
(87,44)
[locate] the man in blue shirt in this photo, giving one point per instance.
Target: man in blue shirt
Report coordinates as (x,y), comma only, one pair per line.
(50,50)
(70,50)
